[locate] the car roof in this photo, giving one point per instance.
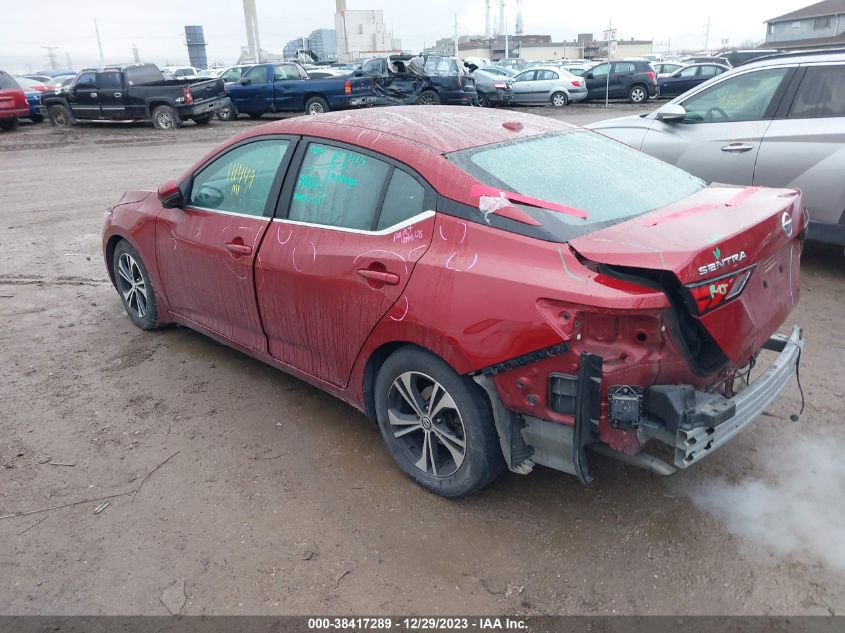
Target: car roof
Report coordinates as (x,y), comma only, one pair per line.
(797,57)
(442,129)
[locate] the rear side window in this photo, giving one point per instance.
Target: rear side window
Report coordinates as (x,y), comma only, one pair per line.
(563,169)
(405,198)
(240,180)
(710,71)
(338,187)
(743,97)
(7,83)
(109,81)
(441,66)
(546,75)
(821,94)
(623,68)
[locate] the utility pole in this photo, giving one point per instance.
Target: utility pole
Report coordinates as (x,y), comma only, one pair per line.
(135,54)
(507,55)
(51,54)
(707,35)
(99,42)
(456,36)
(67,59)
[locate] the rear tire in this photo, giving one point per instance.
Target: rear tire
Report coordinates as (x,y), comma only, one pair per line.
(560,100)
(9,124)
(638,94)
(134,287)
(316,105)
(448,443)
(205,119)
(483,101)
(165,118)
(429,97)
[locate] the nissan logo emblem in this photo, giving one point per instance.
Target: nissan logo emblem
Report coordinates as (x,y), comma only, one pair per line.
(786,224)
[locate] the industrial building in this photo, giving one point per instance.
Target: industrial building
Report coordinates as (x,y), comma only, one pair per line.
(542,47)
(362,34)
(321,42)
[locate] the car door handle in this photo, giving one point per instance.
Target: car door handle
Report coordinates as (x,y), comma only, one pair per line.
(737,148)
(239,249)
(389,279)
(118,94)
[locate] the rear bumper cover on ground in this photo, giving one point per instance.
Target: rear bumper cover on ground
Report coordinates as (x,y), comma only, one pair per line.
(693,444)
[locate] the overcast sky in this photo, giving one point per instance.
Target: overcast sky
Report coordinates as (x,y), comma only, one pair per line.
(156,25)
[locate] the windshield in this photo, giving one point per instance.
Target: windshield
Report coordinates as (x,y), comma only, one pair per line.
(584,170)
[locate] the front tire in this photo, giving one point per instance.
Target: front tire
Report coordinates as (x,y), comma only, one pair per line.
(638,94)
(429,97)
(165,118)
(9,124)
(438,425)
(316,105)
(560,100)
(227,113)
(483,101)
(134,287)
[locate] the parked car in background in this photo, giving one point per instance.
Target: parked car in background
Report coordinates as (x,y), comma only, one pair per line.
(629,79)
(705,59)
(664,69)
(37,111)
(493,90)
(500,71)
(463,277)
(544,86)
(777,122)
(134,92)
(180,72)
(688,77)
(287,87)
(213,73)
(32,84)
(13,103)
(577,69)
(44,79)
(63,81)
(323,72)
(423,79)
(740,57)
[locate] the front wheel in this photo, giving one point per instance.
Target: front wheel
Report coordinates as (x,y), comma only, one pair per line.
(429,97)
(559,99)
(637,94)
(9,124)
(483,101)
(227,112)
(437,425)
(59,116)
(134,287)
(165,118)
(316,105)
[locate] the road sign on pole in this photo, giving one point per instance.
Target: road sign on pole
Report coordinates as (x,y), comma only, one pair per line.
(609,37)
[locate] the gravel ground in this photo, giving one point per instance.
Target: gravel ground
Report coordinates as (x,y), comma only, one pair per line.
(278,499)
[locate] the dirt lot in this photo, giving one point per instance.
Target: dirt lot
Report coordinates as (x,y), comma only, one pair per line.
(282,500)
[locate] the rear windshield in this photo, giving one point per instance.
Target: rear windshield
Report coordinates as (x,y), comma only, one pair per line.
(607,179)
(6,82)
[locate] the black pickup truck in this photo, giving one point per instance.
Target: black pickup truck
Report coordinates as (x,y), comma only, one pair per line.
(135,92)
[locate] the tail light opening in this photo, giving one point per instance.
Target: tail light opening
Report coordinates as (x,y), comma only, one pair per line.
(187,95)
(651,75)
(347,87)
(576,83)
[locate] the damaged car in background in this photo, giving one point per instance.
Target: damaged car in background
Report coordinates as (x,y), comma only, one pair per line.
(421,79)
(485,315)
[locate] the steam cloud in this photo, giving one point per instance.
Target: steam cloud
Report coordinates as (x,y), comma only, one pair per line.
(797,510)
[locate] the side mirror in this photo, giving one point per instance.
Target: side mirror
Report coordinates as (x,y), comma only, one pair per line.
(358,73)
(588,76)
(244,81)
(170,195)
(671,113)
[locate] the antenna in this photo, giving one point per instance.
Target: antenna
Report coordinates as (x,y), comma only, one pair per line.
(51,54)
(99,42)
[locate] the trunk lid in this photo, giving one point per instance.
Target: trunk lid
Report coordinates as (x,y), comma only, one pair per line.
(727,257)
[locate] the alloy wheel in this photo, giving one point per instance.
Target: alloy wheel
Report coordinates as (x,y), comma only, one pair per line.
(426,423)
(132,286)
(165,121)
(315,108)
(637,95)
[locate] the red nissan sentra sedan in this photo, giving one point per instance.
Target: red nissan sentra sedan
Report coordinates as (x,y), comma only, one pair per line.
(496,290)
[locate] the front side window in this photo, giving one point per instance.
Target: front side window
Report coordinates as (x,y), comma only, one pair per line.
(373,67)
(257,75)
(601,70)
(821,94)
(743,97)
(233,74)
(241,179)
(563,170)
(87,80)
(338,187)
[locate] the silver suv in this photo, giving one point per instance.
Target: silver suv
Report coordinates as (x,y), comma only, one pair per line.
(775,122)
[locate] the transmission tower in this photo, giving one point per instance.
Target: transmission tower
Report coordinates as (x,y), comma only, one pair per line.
(135,55)
(51,54)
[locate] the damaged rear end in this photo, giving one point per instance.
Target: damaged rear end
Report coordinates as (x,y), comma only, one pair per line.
(668,308)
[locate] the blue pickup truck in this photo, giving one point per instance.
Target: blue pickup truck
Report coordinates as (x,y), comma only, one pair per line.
(286,87)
